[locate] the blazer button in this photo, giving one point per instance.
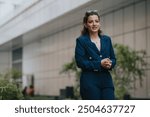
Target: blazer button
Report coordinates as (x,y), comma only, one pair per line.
(100,55)
(95,69)
(90,57)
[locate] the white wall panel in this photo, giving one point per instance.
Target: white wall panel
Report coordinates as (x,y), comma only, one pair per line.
(118,22)
(118,39)
(140,40)
(108,24)
(48,56)
(148,42)
(102,23)
(129,40)
(140,15)
(148,12)
(128,19)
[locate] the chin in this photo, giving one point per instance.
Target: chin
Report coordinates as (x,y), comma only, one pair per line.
(94,31)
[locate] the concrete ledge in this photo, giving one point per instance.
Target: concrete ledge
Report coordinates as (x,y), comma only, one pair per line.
(36,15)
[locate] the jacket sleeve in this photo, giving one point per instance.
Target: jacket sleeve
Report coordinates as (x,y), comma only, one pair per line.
(112,55)
(82,60)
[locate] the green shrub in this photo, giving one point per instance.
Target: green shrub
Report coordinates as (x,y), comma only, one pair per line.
(9,91)
(8,85)
(129,69)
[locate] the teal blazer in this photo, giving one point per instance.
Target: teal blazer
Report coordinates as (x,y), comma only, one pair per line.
(88,58)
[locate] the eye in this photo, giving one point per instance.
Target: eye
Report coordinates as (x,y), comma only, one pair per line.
(97,21)
(90,21)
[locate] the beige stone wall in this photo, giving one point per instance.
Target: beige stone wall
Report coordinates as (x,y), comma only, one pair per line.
(127,24)
(45,58)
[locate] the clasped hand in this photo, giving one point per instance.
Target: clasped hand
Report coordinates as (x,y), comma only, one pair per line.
(106,63)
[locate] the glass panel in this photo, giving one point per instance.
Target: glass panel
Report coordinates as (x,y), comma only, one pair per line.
(17,54)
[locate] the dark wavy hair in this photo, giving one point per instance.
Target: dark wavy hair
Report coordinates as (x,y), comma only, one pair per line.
(85,18)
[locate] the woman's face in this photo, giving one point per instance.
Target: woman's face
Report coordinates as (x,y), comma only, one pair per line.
(93,24)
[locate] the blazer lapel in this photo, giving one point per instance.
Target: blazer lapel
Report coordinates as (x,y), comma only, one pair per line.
(91,45)
(103,44)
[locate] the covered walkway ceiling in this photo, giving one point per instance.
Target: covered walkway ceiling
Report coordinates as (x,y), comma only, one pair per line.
(8,6)
(17,2)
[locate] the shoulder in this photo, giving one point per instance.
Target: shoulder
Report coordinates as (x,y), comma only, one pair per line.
(105,37)
(82,38)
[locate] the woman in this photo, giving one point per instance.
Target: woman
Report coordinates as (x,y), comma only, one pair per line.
(95,56)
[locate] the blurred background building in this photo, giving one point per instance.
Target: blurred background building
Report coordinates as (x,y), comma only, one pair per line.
(38,37)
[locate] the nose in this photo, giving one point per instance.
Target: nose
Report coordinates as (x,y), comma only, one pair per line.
(94,23)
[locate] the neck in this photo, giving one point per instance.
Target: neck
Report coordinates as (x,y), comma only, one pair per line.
(94,36)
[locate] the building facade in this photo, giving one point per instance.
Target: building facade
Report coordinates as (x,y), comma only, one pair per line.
(39,38)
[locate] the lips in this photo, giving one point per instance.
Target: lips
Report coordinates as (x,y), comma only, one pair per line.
(94,28)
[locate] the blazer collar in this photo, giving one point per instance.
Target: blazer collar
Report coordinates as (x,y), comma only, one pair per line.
(92,45)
